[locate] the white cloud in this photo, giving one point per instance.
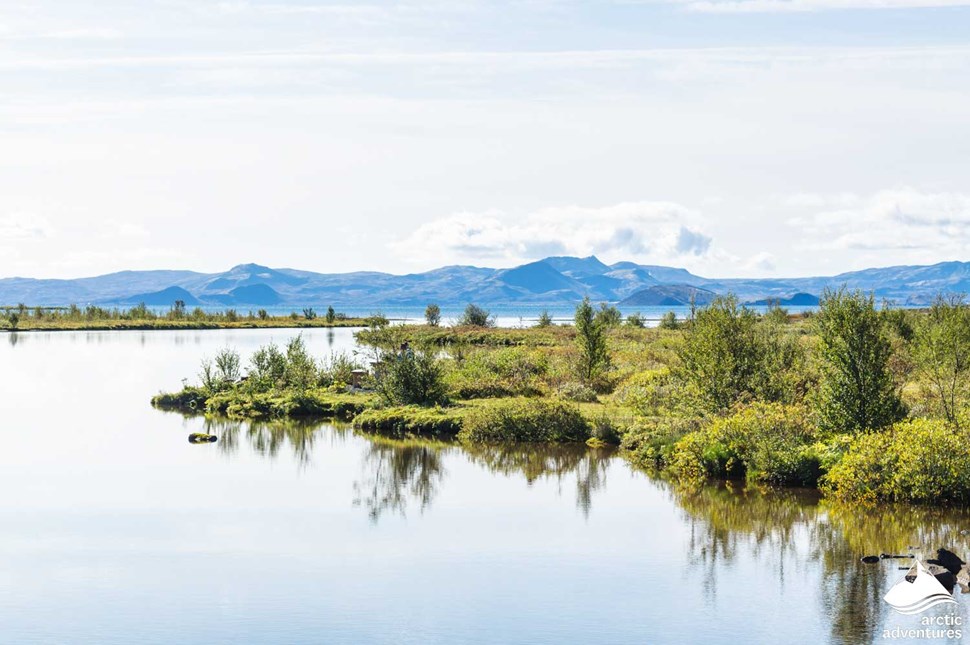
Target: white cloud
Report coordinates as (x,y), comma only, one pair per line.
(650,231)
(792,6)
(763,262)
(24,225)
(911,224)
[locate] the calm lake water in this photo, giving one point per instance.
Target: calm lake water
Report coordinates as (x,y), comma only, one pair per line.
(114,529)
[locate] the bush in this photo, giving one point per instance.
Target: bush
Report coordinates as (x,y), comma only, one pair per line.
(411,420)
(221,372)
(577,392)
(432,314)
(510,371)
(649,393)
(636,320)
(669,321)
(337,371)
(857,390)
(475,316)
(594,356)
(764,442)
(287,403)
(301,370)
(544,320)
(525,420)
(720,355)
(608,315)
(409,377)
(267,368)
(919,460)
(650,442)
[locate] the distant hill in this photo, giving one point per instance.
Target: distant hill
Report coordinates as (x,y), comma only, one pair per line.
(163,298)
(797,300)
(669,295)
(554,281)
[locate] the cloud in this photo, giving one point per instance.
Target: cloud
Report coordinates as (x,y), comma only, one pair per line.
(654,231)
(795,6)
(763,262)
(919,225)
(24,226)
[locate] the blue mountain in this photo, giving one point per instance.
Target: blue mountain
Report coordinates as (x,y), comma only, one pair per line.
(554,281)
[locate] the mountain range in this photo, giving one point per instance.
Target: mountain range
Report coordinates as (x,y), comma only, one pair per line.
(554,281)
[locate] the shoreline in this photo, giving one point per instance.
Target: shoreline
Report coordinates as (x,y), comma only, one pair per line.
(168,325)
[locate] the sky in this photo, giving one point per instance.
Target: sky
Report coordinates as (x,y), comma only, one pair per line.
(735,138)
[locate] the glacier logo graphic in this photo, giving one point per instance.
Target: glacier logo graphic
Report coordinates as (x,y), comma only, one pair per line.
(918,595)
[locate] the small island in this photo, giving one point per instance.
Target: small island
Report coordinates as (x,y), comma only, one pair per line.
(178,316)
(865,403)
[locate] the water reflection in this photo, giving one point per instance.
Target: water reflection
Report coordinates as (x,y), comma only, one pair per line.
(727,522)
(398,474)
(395,473)
(268,438)
(536,462)
(809,547)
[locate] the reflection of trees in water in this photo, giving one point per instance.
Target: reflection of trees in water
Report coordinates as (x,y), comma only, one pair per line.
(267,438)
(726,521)
(398,471)
(548,461)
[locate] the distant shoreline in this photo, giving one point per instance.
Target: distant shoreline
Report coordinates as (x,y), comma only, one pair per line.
(187,325)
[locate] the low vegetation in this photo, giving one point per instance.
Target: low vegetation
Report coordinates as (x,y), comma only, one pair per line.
(178,316)
(867,403)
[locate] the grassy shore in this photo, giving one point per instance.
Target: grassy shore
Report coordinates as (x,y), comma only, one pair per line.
(767,398)
(74,318)
(273,322)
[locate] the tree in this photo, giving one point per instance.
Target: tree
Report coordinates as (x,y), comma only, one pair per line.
(309,313)
(544,319)
(857,390)
(432,314)
(721,354)
(669,321)
(941,350)
(594,355)
(410,377)
(636,320)
(14,318)
(608,316)
(475,316)
(331,315)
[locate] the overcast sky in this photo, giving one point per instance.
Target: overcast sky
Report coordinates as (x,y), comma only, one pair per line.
(730,137)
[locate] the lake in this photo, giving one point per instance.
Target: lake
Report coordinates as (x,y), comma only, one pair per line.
(117,530)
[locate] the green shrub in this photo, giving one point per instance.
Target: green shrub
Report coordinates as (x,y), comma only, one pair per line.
(858,391)
(408,377)
(669,321)
(577,392)
(338,370)
(475,316)
(411,420)
(525,420)
(188,399)
(918,460)
(591,327)
(764,442)
(508,371)
(432,314)
(287,403)
(649,393)
(650,442)
(636,320)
